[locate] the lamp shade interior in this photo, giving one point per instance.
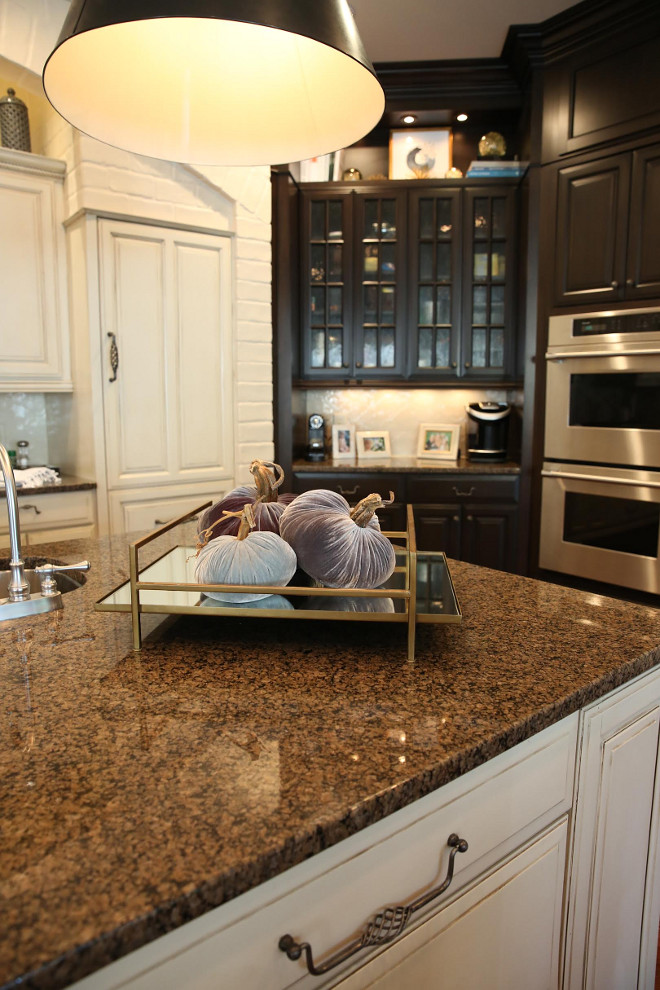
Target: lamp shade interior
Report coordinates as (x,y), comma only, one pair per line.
(208,91)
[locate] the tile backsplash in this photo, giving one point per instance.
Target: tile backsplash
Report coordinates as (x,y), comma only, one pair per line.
(23,417)
(402,410)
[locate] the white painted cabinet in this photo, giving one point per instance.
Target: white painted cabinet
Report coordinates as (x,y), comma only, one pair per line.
(167,364)
(614,907)
(34,331)
(68,515)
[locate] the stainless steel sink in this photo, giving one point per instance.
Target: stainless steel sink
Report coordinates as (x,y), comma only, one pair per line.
(65,580)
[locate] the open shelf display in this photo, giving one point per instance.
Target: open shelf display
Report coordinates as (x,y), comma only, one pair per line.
(420,590)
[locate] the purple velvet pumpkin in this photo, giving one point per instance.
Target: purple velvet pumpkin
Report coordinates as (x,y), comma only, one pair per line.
(268,504)
(336,545)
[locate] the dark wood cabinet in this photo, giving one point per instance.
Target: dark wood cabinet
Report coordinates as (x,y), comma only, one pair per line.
(608,236)
(469,516)
(411,282)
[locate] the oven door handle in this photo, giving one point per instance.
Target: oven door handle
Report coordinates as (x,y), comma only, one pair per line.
(638,352)
(600,477)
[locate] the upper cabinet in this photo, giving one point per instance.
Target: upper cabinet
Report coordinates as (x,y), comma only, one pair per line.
(608,242)
(413,283)
(34,332)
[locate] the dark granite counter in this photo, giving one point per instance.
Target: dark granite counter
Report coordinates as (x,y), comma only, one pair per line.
(69,484)
(139,790)
(409,465)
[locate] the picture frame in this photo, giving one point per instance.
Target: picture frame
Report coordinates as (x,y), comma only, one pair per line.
(343,442)
(373,443)
(439,441)
(420,154)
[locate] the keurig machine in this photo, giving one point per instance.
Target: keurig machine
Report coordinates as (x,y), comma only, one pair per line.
(488,430)
(315,438)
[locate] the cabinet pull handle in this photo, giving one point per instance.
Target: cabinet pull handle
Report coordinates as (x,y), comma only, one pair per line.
(467,364)
(614,284)
(358,364)
(454,364)
(347,491)
(457,491)
(631,282)
(383,927)
(114,356)
(26,507)
(162,522)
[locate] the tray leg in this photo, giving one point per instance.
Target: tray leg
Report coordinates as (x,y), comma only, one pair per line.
(412,603)
(135,598)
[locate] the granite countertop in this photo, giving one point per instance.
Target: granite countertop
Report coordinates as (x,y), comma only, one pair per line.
(409,465)
(69,484)
(139,790)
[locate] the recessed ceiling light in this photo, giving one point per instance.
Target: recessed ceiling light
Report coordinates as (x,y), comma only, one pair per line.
(461,117)
(409,118)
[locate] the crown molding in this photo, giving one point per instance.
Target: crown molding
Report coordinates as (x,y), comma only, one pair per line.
(474,83)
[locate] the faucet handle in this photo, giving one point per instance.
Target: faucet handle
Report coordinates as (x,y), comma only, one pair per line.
(46,572)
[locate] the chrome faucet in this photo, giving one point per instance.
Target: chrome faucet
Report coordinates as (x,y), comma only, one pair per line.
(19,588)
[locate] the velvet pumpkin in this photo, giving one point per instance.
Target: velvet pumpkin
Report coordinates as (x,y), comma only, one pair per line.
(263,495)
(336,545)
(251,557)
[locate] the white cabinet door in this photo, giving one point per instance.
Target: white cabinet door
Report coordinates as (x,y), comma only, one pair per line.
(34,334)
(613,912)
(503,934)
(166,307)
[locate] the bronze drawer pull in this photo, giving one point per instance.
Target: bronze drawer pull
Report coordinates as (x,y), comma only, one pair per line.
(347,491)
(26,507)
(457,491)
(383,927)
(114,356)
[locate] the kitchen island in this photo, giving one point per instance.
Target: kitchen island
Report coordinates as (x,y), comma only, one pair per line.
(141,791)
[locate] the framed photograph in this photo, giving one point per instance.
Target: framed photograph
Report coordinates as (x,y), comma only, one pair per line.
(373,443)
(343,442)
(422,154)
(439,440)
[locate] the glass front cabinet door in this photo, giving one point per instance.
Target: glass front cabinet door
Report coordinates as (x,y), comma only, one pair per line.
(488,297)
(352,305)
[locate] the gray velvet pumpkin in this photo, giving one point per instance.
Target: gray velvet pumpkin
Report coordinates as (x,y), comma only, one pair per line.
(336,545)
(251,557)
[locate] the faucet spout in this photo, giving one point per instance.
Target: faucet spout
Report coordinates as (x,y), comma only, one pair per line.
(19,589)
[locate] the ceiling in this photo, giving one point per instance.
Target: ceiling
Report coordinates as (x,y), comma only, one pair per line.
(429,30)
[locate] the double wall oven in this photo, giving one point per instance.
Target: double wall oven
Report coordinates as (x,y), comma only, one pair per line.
(600,503)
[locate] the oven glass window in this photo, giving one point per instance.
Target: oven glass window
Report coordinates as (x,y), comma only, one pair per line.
(620,401)
(622,524)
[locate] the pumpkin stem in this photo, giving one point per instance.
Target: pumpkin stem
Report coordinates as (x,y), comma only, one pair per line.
(364,510)
(246,515)
(268,477)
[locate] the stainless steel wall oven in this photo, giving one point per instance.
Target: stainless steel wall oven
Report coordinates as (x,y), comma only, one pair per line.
(600,504)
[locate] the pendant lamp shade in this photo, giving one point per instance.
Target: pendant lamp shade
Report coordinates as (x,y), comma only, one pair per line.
(215,82)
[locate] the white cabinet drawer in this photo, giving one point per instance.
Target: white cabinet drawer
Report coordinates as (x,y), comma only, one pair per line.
(328,899)
(57,510)
(134,511)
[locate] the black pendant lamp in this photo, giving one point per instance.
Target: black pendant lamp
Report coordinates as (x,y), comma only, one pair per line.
(215,82)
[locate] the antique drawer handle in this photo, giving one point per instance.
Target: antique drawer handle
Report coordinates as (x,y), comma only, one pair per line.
(162,522)
(457,491)
(24,508)
(383,927)
(347,491)
(114,356)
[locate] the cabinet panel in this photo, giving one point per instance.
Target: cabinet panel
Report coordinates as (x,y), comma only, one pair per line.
(438,527)
(34,335)
(503,933)
(168,402)
(465,486)
(592,206)
(643,265)
(354,486)
(490,535)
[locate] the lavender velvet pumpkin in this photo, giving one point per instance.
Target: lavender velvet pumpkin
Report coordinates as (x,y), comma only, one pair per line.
(264,496)
(336,545)
(251,557)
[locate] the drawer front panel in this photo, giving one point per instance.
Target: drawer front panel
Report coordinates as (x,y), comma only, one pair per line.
(132,512)
(59,509)
(459,488)
(354,486)
(328,899)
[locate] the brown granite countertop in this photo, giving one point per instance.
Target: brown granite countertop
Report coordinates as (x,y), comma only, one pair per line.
(69,484)
(139,790)
(409,465)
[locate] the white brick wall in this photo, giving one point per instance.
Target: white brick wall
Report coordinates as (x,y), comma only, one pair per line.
(101,178)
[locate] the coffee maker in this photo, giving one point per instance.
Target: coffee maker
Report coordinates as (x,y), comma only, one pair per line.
(315,438)
(488,437)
